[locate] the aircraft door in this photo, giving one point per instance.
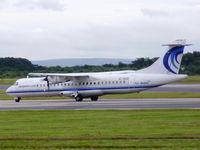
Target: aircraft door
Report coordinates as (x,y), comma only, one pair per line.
(45,87)
(131,80)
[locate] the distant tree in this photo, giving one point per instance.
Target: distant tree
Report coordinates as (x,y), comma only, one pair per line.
(140,63)
(121,65)
(20,67)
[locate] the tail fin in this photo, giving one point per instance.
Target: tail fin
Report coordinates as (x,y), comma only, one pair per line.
(170,62)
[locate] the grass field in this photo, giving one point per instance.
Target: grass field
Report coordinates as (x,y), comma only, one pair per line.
(2,92)
(190,79)
(100,129)
(7,81)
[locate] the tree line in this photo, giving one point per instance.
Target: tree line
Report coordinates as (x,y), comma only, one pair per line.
(20,67)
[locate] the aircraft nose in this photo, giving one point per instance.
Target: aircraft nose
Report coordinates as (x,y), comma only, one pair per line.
(8,90)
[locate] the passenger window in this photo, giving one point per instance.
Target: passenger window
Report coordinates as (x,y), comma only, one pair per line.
(90,83)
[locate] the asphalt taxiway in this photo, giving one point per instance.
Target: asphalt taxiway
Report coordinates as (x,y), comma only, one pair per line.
(58,104)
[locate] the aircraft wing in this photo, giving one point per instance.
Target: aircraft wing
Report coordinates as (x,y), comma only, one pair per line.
(78,75)
(60,77)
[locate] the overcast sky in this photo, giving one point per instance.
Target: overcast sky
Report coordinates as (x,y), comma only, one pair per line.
(49,29)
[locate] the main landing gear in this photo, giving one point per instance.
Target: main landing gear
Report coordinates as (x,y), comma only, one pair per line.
(17,99)
(79,98)
(94,98)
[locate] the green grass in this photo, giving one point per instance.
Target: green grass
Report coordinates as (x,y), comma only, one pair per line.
(118,96)
(2,92)
(190,79)
(100,129)
(7,81)
(100,144)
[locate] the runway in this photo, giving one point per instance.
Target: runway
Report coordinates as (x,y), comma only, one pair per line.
(57,104)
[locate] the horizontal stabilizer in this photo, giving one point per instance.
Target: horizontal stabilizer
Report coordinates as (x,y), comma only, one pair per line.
(170,62)
(179,42)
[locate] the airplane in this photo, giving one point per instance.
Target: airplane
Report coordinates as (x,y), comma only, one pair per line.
(94,84)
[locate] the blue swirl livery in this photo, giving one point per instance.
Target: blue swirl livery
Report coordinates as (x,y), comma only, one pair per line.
(172,59)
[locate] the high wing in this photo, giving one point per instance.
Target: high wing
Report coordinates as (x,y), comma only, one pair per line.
(59,74)
(54,78)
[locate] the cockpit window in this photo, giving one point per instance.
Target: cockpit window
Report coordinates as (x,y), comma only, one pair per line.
(16,83)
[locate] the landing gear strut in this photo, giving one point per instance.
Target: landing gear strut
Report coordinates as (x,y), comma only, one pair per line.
(17,99)
(94,98)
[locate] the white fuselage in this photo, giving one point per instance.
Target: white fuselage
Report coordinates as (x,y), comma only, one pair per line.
(98,84)
(80,85)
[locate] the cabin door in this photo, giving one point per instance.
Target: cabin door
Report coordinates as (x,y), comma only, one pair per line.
(131,81)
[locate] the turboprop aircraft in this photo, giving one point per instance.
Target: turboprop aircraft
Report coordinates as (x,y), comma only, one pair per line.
(92,85)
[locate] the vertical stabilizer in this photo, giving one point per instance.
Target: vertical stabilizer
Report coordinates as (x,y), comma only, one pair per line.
(170,62)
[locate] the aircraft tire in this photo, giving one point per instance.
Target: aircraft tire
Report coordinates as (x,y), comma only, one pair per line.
(94,98)
(79,98)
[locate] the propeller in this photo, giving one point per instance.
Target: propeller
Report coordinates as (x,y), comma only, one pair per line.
(46,79)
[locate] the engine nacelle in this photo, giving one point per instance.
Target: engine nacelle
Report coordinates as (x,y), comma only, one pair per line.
(55,79)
